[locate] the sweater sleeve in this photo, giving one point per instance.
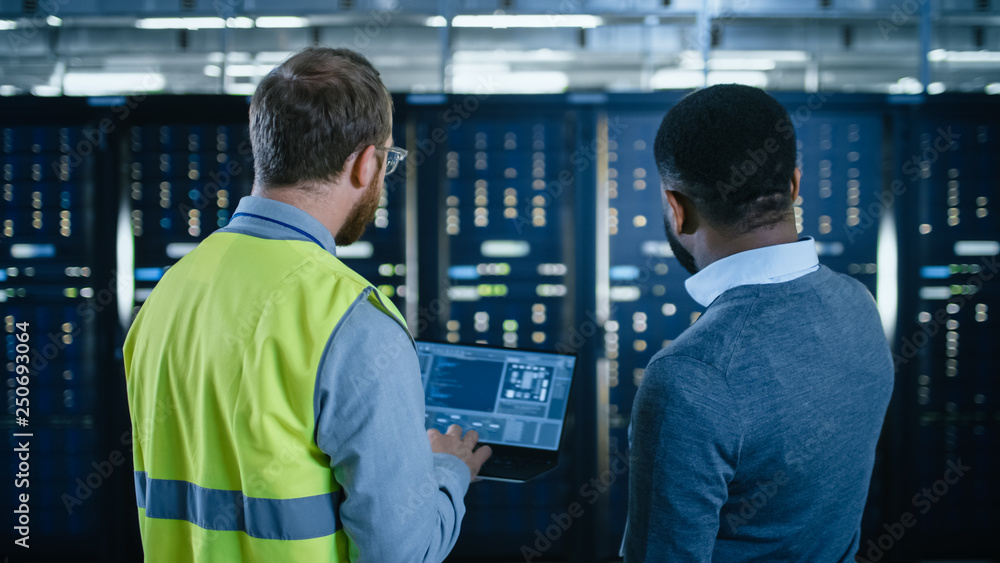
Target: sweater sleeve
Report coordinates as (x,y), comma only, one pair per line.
(685,444)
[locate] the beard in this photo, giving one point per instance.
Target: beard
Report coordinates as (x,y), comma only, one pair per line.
(683,256)
(361,213)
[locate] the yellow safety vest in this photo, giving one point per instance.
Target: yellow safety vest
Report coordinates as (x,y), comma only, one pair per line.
(221,365)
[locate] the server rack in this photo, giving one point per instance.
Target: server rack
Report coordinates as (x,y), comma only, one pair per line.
(872,166)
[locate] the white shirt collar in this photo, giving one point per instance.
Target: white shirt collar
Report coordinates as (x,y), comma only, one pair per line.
(769,264)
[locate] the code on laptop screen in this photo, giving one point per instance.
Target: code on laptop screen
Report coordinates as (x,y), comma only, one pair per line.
(511,397)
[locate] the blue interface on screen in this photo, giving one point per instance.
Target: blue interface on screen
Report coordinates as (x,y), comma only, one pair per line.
(511,397)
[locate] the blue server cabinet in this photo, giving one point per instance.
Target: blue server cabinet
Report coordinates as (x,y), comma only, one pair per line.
(182,182)
(528,221)
(495,208)
(945,171)
(53,277)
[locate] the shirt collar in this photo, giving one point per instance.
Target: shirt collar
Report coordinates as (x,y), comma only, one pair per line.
(768,264)
(299,224)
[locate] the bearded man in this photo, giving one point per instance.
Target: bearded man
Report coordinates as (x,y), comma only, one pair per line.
(275,395)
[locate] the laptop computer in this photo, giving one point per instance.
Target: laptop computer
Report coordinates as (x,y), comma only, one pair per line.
(515,399)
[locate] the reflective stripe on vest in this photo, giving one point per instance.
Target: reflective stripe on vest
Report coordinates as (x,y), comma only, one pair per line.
(230,511)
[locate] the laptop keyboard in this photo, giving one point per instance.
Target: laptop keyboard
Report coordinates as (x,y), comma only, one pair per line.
(501,465)
(501,460)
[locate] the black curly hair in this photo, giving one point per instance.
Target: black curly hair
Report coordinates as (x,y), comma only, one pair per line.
(731,149)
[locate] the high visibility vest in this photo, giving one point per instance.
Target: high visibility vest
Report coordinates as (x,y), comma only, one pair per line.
(221,365)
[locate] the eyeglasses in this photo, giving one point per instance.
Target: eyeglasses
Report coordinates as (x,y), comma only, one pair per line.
(393,158)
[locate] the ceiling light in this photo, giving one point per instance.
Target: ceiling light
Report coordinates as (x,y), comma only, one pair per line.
(274,57)
(674,79)
(748,78)
(181,23)
(241,70)
(935,88)
(474,81)
(936,55)
(906,85)
(740,60)
(500,55)
(108,83)
(543,20)
(436,21)
(993,88)
(53,21)
(7,24)
(282,22)
(941,55)
(248,70)
(212,70)
(239,22)
(241,89)
(684,79)
(45,90)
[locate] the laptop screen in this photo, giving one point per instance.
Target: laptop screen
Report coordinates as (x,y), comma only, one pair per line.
(512,397)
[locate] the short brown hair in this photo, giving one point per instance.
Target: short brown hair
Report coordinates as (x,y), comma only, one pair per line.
(311,112)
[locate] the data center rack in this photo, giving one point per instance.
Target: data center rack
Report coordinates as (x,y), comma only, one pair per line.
(947,434)
(495,202)
(55,275)
(597,279)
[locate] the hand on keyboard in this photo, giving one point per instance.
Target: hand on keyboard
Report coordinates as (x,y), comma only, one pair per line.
(452,442)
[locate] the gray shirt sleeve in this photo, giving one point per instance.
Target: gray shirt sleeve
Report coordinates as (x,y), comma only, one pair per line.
(686,437)
(401,501)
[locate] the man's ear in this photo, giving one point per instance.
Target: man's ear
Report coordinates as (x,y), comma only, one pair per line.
(685,217)
(363,167)
(796,177)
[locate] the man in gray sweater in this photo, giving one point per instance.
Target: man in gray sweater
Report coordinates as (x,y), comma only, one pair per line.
(753,434)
